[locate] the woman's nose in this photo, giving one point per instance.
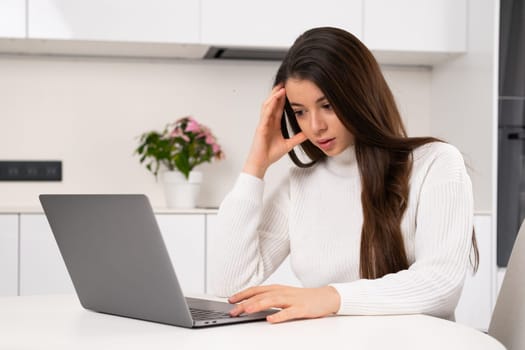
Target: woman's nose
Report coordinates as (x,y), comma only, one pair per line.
(318,124)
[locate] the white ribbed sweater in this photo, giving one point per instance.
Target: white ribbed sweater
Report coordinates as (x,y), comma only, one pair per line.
(315,216)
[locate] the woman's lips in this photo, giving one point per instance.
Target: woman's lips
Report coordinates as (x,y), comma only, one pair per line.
(326,144)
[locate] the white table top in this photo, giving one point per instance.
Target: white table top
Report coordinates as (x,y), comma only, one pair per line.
(59,322)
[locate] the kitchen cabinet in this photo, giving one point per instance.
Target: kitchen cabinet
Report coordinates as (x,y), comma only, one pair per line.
(184,236)
(476,302)
(273,23)
(415,25)
(8,255)
(12,19)
(410,32)
(42,270)
(159,21)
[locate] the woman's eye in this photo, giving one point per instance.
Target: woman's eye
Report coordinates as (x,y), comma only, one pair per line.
(327,106)
(298,113)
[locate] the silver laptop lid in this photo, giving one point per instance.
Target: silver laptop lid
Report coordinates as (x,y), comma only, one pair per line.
(116,257)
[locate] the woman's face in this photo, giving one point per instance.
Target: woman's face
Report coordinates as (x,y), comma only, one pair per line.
(316,117)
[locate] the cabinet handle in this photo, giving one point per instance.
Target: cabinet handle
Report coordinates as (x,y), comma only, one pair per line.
(516,136)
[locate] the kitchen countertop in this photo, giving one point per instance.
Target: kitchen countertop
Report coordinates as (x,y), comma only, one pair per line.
(157,210)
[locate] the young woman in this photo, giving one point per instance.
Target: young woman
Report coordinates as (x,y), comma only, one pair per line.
(375,222)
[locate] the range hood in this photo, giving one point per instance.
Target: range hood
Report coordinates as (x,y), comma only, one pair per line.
(237,53)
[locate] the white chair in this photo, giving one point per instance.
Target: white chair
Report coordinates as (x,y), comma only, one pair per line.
(508,319)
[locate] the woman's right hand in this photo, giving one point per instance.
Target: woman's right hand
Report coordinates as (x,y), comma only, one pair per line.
(269,145)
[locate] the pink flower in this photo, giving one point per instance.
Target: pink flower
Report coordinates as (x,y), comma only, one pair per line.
(216,148)
(193,126)
(177,132)
(210,140)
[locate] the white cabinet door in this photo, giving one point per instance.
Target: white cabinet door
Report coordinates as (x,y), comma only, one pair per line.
(184,239)
(415,25)
(13,18)
(115,20)
(42,270)
(274,23)
(283,275)
(475,305)
(8,255)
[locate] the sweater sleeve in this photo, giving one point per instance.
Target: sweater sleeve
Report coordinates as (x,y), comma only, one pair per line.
(251,239)
(433,282)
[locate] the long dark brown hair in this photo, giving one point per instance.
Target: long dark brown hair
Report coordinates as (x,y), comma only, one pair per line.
(351,79)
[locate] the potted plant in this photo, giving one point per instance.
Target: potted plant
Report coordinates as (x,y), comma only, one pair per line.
(178,149)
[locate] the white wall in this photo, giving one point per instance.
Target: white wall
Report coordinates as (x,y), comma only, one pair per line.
(88,112)
(464,101)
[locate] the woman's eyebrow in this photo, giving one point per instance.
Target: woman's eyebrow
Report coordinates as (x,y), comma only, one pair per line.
(320,99)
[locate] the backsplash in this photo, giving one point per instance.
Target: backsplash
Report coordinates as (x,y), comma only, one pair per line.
(88,113)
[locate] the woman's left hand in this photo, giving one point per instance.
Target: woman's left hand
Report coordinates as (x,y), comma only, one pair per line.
(294,302)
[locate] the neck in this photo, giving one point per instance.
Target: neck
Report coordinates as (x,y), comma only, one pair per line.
(343,164)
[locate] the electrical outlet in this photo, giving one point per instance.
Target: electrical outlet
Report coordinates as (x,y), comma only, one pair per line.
(30,170)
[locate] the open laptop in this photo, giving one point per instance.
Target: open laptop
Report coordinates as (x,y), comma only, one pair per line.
(116,257)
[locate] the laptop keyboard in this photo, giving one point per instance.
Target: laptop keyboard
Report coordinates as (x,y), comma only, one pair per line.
(199,314)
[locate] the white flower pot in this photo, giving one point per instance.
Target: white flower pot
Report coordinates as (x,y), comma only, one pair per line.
(181,193)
